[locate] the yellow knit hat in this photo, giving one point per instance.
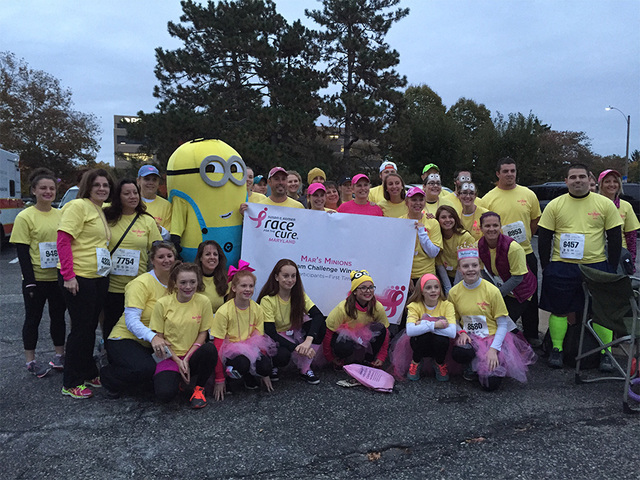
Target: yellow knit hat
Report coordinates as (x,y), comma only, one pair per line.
(315,172)
(358,277)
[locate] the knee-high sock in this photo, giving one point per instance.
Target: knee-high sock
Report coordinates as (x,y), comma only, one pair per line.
(605,334)
(557,330)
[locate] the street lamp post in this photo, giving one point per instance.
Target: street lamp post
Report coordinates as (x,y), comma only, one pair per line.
(627,118)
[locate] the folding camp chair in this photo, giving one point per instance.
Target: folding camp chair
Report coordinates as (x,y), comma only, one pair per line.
(614,305)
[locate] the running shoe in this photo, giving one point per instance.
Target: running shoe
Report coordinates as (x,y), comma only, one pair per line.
(197,399)
(38,369)
(606,364)
(94,382)
(77,392)
(556,359)
(57,363)
(414,371)
(250,382)
(310,377)
(274,376)
(469,374)
(442,372)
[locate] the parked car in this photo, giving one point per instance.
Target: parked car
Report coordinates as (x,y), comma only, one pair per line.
(550,190)
(69,195)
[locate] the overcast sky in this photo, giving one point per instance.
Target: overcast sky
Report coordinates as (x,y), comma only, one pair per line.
(565,61)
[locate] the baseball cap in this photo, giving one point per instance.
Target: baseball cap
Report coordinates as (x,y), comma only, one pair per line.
(429,166)
(148,170)
(258,178)
(344,180)
(357,177)
(415,191)
(275,170)
(388,166)
(607,172)
(314,187)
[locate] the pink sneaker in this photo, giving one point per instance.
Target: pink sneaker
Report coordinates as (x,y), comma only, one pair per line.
(94,382)
(78,392)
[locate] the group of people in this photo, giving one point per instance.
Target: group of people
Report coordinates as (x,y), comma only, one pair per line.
(194,328)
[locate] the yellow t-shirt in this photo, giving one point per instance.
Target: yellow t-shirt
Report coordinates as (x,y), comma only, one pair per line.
(142,292)
(453,198)
(279,311)
(376,195)
(393,210)
(629,220)
(257,198)
(236,325)
(432,208)
(33,227)
(160,210)
(180,323)
(212,294)
(516,205)
(338,316)
(472,222)
(423,263)
(289,202)
(85,222)
(579,226)
(478,307)
(448,256)
(444,308)
(139,238)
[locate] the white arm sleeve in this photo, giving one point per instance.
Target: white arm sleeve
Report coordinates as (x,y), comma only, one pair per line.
(164,233)
(444,279)
(428,246)
(135,326)
(414,330)
(450,331)
(501,332)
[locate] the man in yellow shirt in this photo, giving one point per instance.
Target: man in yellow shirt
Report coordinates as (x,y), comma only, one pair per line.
(159,208)
(278,182)
(573,227)
(519,210)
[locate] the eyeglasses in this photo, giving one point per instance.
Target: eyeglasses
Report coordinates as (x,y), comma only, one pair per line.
(367,289)
(434,184)
(467,194)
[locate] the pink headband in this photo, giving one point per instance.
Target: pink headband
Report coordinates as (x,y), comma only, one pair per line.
(426,277)
(242,266)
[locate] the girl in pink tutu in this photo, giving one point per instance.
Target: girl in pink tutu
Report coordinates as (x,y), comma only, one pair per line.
(238,334)
(357,325)
(285,305)
(484,340)
(431,323)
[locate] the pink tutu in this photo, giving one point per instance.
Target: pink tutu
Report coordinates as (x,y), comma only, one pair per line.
(361,335)
(514,357)
(252,348)
(401,355)
(303,363)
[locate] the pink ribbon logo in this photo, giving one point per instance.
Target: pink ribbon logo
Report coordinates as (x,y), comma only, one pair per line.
(392,298)
(261,216)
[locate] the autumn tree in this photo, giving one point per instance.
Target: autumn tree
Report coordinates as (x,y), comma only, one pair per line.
(38,121)
(360,65)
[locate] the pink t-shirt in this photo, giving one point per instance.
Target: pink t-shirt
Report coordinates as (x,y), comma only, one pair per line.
(367,209)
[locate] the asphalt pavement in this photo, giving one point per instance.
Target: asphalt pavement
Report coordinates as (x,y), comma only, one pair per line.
(547,428)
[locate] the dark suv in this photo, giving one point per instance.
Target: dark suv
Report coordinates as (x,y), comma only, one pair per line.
(550,190)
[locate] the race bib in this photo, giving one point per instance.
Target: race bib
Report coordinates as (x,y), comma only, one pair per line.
(572,246)
(125,262)
(476,325)
(516,231)
(48,254)
(104,261)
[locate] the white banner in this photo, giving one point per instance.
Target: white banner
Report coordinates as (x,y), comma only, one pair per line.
(327,246)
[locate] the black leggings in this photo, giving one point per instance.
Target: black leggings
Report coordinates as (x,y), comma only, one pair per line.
(429,345)
(283,355)
(465,355)
(130,364)
(113,309)
(345,348)
(33,309)
(84,309)
(201,364)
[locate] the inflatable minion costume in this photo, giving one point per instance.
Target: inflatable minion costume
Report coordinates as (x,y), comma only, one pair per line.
(206,185)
